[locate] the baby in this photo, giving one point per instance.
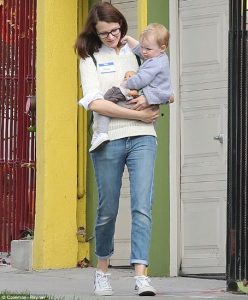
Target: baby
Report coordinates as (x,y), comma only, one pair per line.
(153,76)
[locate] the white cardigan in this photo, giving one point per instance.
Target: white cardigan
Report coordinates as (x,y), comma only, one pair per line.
(110,72)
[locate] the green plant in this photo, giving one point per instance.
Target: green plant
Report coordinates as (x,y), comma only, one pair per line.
(5,295)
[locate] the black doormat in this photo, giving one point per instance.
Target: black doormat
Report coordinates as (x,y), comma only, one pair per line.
(216,276)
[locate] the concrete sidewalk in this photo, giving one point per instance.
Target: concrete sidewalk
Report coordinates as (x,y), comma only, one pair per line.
(78,284)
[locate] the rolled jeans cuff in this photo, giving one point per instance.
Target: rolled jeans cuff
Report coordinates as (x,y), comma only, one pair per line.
(104,257)
(139,262)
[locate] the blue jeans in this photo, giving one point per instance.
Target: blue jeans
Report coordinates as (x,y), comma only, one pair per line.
(138,153)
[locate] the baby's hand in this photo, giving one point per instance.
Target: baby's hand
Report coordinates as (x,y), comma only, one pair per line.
(133,93)
(124,40)
(171,99)
(130,40)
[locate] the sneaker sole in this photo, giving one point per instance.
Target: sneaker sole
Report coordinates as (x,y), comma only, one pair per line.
(104,293)
(147,293)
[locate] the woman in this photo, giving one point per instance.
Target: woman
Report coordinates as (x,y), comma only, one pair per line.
(104,61)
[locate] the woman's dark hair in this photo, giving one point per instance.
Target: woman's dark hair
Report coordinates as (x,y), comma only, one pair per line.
(88,41)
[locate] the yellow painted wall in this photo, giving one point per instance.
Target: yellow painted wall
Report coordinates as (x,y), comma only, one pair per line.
(83,246)
(142,15)
(55,239)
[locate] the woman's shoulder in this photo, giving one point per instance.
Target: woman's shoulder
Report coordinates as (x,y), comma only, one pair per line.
(86,61)
(125,49)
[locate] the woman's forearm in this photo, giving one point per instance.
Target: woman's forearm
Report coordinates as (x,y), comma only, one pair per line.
(110,109)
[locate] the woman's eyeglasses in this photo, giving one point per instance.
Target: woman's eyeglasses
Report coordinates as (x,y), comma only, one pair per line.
(113,32)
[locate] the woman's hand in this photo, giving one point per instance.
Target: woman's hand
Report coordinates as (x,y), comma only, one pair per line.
(149,114)
(139,103)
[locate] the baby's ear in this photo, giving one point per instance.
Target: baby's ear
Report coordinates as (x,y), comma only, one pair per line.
(163,48)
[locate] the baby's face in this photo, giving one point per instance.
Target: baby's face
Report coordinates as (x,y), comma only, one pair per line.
(129,74)
(150,47)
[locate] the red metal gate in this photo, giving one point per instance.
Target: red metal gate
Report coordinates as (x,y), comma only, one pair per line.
(17,123)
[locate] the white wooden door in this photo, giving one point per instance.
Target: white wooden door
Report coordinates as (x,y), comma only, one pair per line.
(129,9)
(203,100)
(122,250)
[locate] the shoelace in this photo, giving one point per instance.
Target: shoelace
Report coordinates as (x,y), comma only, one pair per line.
(142,280)
(103,281)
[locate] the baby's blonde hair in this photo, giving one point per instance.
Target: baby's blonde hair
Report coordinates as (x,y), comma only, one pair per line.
(159,31)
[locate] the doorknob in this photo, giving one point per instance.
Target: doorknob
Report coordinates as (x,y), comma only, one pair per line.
(219,138)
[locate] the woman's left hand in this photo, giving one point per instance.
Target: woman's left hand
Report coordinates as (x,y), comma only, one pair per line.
(139,103)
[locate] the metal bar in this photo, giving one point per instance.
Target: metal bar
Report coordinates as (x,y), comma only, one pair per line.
(244,100)
(6,134)
(17,144)
(15,108)
(233,142)
(1,125)
(237,192)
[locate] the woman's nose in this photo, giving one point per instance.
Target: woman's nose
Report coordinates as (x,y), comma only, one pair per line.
(111,36)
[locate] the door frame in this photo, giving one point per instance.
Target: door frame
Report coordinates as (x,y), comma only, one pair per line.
(175,144)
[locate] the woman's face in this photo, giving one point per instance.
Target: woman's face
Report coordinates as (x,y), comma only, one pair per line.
(109,33)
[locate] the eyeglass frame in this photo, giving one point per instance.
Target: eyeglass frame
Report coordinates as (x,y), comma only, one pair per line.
(107,33)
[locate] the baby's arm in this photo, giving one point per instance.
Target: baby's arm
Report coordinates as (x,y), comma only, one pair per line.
(146,74)
(132,43)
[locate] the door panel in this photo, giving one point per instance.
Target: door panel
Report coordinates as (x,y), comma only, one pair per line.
(203,99)
(129,10)
(204,44)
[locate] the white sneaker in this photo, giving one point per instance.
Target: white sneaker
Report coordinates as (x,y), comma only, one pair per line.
(98,140)
(143,287)
(102,285)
